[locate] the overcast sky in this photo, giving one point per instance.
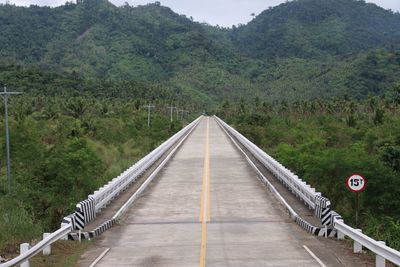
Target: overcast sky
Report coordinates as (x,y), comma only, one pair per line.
(221,12)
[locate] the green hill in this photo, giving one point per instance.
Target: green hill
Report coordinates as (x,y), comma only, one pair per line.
(316,28)
(299,49)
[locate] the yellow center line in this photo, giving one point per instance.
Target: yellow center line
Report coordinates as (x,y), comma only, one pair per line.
(205,198)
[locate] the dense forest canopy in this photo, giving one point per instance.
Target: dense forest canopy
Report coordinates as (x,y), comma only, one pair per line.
(298,49)
(317,28)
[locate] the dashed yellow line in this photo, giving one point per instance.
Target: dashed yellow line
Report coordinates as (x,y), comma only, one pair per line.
(205,198)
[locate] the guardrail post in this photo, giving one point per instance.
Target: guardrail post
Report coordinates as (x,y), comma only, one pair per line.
(340,235)
(66,236)
(22,249)
(379,260)
(46,250)
(357,247)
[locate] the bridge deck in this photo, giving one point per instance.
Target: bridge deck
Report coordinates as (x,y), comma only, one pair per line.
(208,208)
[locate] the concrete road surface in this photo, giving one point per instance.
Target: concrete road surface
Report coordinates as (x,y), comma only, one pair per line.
(207,208)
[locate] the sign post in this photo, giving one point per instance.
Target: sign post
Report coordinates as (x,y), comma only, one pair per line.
(356,183)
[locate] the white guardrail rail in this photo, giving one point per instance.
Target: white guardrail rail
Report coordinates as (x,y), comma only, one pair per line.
(105,194)
(299,187)
(309,196)
(57,235)
(361,240)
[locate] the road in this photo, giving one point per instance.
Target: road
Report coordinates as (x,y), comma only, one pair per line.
(207,208)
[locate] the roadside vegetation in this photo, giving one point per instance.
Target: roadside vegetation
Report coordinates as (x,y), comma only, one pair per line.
(65,146)
(325,141)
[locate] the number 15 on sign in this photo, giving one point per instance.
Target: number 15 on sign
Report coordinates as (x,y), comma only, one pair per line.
(356,183)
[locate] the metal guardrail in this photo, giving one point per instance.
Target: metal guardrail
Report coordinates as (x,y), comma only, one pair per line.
(280,198)
(57,235)
(86,210)
(309,195)
(123,209)
(361,240)
(296,185)
(303,223)
(105,194)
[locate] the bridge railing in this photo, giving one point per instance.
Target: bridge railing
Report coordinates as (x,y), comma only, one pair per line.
(87,209)
(105,194)
(57,235)
(380,249)
(101,197)
(309,195)
(295,184)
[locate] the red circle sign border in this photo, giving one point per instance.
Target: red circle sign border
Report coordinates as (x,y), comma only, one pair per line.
(356,191)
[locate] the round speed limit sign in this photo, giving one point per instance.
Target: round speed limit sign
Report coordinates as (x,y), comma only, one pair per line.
(356,183)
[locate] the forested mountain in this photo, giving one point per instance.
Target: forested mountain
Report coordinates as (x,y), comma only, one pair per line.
(299,49)
(97,38)
(316,28)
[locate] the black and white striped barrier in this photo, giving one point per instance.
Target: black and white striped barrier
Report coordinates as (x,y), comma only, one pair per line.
(102,228)
(317,231)
(70,219)
(84,213)
(75,236)
(322,206)
(92,234)
(324,212)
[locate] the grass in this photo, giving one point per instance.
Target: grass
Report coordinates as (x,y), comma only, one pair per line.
(64,253)
(16,225)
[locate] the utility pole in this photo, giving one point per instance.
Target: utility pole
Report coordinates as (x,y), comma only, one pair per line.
(5,96)
(172,110)
(148,113)
(187,114)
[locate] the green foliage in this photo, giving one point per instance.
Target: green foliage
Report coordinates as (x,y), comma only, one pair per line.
(384,228)
(62,149)
(375,72)
(297,50)
(315,28)
(316,140)
(16,224)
